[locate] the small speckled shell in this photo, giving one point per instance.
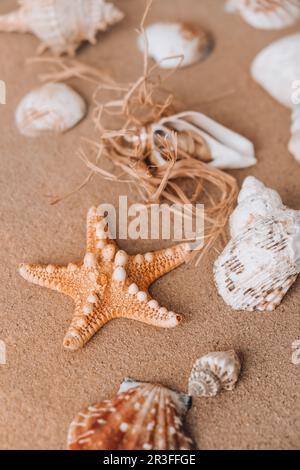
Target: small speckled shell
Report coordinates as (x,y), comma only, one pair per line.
(262,260)
(267,14)
(213,372)
(170,40)
(62,25)
(54,107)
(142,416)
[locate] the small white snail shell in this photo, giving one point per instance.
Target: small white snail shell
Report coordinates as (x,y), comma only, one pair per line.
(54,107)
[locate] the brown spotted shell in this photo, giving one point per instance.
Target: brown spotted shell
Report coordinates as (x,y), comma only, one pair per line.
(143,416)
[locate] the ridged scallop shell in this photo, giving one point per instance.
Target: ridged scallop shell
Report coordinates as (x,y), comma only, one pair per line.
(54,107)
(294,144)
(143,416)
(277,66)
(267,14)
(214,372)
(168,41)
(262,260)
(61,25)
(202,137)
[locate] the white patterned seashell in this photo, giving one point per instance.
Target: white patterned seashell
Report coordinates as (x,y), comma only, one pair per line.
(54,107)
(262,260)
(143,416)
(199,135)
(277,67)
(267,14)
(294,145)
(61,25)
(214,372)
(167,41)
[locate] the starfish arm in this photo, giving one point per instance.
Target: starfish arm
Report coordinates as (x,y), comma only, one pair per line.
(97,233)
(61,279)
(141,307)
(148,268)
(89,317)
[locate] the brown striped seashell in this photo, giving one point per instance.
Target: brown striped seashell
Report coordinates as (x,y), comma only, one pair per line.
(61,25)
(142,416)
(214,372)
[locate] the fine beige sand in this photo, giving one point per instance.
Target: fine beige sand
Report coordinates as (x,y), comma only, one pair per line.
(42,386)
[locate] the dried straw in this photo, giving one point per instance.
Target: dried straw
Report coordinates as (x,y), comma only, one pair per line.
(135,107)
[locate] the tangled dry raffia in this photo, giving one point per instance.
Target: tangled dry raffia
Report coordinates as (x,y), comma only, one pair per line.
(135,107)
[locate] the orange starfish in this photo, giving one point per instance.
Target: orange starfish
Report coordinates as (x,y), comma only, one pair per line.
(109,283)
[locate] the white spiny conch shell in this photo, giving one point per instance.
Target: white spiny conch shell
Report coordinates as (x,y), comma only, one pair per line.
(54,107)
(266,14)
(294,145)
(254,201)
(277,67)
(262,260)
(214,372)
(61,25)
(142,416)
(205,139)
(166,42)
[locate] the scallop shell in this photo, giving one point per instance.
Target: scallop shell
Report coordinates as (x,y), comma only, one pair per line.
(277,66)
(214,372)
(143,416)
(267,14)
(262,260)
(166,42)
(200,136)
(61,25)
(294,144)
(54,107)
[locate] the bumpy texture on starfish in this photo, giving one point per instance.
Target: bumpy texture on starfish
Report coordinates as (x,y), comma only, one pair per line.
(109,283)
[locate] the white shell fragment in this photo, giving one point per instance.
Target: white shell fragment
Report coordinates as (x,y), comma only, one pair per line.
(176,44)
(204,138)
(294,145)
(266,14)
(262,260)
(54,107)
(214,372)
(277,67)
(61,25)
